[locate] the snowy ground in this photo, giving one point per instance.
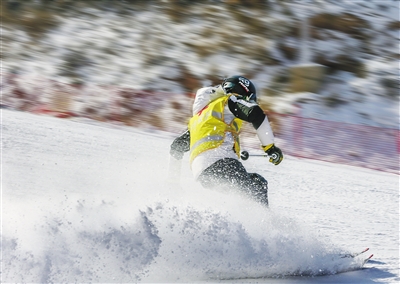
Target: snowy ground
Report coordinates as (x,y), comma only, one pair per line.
(89,202)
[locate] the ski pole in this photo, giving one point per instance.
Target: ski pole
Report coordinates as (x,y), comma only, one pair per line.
(244,155)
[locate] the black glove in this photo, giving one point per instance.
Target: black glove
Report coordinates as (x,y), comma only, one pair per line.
(180,145)
(176,154)
(274,153)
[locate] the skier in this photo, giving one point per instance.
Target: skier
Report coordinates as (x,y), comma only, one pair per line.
(213,137)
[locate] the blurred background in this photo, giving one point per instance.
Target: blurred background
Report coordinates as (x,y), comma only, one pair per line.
(326,72)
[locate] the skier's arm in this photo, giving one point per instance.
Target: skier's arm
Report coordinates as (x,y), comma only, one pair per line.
(180,145)
(252,112)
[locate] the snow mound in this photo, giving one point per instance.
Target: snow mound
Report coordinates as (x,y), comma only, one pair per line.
(97,242)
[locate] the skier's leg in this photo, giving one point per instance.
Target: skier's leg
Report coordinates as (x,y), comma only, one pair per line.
(259,187)
(231,173)
(228,172)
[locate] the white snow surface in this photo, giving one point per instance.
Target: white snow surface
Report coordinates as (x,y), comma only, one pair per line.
(89,202)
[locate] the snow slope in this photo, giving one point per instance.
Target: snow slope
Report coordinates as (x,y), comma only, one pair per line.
(89,202)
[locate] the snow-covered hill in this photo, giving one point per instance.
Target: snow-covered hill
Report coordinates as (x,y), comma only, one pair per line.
(176,48)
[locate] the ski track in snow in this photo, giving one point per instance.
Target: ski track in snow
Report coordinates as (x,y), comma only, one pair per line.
(89,202)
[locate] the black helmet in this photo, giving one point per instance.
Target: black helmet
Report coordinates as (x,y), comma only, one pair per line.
(241,86)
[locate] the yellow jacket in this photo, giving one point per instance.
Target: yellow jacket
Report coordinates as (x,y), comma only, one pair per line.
(208,128)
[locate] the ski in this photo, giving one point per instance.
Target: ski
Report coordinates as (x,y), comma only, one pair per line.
(353,255)
(367,259)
